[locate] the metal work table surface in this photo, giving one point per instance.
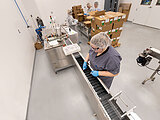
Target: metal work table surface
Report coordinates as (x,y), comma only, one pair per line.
(57,57)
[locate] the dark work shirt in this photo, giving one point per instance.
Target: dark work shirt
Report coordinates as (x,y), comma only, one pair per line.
(109,61)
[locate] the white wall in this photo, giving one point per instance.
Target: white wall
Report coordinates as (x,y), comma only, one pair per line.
(133,7)
(30,8)
(16,62)
(60,7)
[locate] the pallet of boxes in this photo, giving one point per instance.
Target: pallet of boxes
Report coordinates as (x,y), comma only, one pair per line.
(111,23)
(78,13)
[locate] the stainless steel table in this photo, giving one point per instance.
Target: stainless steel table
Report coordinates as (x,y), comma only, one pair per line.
(57,57)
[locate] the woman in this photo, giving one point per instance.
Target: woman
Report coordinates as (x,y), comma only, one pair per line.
(104,59)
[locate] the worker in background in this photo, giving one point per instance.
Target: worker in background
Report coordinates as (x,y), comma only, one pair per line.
(96,7)
(39,33)
(39,21)
(71,21)
(89,8)
(104,59)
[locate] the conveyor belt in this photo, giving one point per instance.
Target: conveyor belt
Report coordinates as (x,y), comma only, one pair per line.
(111,107)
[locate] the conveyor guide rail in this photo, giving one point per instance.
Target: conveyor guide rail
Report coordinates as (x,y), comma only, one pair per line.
(111,107)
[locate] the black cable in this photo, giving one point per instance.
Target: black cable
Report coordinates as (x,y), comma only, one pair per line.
(158,71)
(154,70)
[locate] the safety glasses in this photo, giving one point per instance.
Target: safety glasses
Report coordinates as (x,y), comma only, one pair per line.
(94,48)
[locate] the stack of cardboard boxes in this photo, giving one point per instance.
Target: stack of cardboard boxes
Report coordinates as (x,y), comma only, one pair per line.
(125,8)
(111,23)
(78,13)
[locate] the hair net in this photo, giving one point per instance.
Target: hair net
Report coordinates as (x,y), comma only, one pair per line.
(96,2)
(88,4)
(69,12)
(101,40)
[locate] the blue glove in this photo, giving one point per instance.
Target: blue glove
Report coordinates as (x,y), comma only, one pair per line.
(84,65)
(95,73)
(85,13)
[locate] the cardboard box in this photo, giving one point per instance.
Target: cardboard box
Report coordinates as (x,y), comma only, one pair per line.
(117,16)
(102,20)
(92,13)
(109,33)
(126,9)
(80,15)
(38,45)
(116,34)
(80,18)
(74,8)
(87,23)
(76,12)
(105,28)
(93,29)
(114,41)
(110,18)
(127,14)
(76,17)
(92,33)
(97,31)
(120,9)
(81,10)
(117,25)
(99,13)
(89,17)
(93,24)
(125,6)
(121,17)
(79,7)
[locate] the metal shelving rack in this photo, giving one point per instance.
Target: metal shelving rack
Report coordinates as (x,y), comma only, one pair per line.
(111,5)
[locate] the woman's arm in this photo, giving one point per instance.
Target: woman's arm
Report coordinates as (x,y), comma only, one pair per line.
(106,73)
(87,58)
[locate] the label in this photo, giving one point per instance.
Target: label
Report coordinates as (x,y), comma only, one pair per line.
(119,20)
(118,38)
(106,32)
(116,18)
(100,28)
(93,29)
(102,22)
(120,28)
(111,19)
(119,17)
(92,19)
(107,20)
(109,32)
(113,30)
(101,16)
(124,16)
(116,30)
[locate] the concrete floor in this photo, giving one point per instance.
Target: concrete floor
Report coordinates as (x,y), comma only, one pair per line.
(60,97)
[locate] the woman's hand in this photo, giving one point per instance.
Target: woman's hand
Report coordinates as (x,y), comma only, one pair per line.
(95,73)
(84,65)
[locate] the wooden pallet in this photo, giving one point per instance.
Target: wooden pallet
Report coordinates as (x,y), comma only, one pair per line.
(117,45)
